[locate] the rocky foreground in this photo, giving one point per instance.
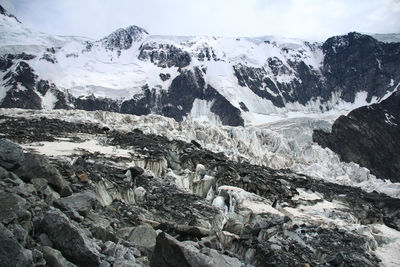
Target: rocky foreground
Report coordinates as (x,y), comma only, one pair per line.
(101,197)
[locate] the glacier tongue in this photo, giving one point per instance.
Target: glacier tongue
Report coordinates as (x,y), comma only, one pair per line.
(283,144)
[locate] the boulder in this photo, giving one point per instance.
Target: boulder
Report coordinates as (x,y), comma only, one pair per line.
(80,202)
(144,237)
(69,239)
(54,258)
(170,252)
(12,208)
(38,166)
(11,155)
(11,252)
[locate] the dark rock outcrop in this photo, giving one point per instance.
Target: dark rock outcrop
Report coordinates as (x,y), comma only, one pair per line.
(122,39)
(368,136)
(370,66)
(38,166)
(69,239)
(11,252)
(11,155)
(54,257)
(4,12)
(164,55)
(82,203)
(357,62)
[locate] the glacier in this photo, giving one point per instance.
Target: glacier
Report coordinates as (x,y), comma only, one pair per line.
(280,144)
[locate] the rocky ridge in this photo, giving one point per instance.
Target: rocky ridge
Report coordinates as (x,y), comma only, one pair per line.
(153,201)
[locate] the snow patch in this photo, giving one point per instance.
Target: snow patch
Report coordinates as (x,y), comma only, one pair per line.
(201,111)
(49,100)
(68,148)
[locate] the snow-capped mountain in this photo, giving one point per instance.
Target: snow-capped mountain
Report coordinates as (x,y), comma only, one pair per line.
(233,81)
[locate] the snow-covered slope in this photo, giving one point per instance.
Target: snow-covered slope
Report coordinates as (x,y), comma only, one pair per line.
(17,38)
(233,81)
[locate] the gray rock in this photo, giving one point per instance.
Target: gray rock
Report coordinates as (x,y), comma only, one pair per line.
(80,202)
(69,239)
(37,257)
(232,224)
(12,207)
(140,195)
(11,155)
(144,236)
(11,252)
(40,184)
(38,166)
(54,258)
(170,252)
(50,195)
(103,233)
(126,263)
(3,173)
(105,264)
(20,234)
(221,260)
(124,233)
(44,240)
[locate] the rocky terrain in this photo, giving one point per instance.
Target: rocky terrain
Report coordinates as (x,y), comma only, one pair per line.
(87,195)
(369,136)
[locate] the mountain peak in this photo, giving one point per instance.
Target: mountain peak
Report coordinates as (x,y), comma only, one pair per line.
(4,12)
(123,38)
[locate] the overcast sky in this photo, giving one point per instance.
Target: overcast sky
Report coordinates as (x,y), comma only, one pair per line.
(307,19)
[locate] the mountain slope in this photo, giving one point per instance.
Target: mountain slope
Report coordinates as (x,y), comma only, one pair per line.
(369,136)
(233,81)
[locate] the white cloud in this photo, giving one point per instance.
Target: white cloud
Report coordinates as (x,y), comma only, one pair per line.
(315,19)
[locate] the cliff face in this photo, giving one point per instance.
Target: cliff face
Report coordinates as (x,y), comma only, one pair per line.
(368,136)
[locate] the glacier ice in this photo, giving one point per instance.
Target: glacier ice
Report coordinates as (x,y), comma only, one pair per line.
(281,144)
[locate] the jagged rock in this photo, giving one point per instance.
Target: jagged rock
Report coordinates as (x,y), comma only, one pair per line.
(164,76)
(164,55)
(11,252)
(54,257)
(12,208)
(80,202)
(144,236)
(170,252)
(11,155)
(122,39)
(38,166)
(135,171)
(69,239)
